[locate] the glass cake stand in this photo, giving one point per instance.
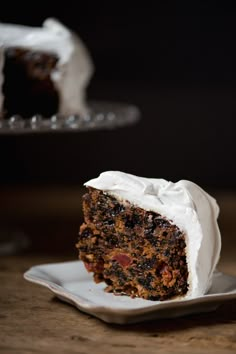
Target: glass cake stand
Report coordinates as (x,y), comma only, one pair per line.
(101,115)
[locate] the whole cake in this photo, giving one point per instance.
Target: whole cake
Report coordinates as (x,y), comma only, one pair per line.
(42,71)
(149,238)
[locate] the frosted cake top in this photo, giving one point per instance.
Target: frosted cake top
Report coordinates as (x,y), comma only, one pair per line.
(186,205)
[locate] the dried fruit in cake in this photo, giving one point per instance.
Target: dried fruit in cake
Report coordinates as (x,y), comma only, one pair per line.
(149,238)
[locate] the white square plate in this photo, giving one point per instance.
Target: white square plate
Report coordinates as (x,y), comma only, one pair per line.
(70,282)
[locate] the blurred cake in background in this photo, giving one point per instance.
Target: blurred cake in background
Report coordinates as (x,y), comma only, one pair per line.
(42,71)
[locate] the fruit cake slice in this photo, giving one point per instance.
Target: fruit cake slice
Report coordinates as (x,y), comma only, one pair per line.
(143,238)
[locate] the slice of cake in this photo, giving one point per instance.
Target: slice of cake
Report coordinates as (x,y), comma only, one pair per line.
(42,71)
(149,238)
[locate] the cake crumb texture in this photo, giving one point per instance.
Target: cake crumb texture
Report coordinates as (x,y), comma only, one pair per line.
(134,251)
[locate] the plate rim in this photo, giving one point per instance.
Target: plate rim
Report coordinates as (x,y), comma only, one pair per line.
(87,305)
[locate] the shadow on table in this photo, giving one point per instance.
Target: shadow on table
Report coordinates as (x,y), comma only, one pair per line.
(225,314)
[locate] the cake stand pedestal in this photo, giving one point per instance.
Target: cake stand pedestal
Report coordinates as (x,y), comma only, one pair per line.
(101,115)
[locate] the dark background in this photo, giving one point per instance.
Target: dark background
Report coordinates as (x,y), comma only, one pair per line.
(175,62)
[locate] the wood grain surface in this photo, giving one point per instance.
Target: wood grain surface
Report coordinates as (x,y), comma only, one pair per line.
(32,320)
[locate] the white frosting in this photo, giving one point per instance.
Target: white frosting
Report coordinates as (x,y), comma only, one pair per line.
(74,68)
(186,205)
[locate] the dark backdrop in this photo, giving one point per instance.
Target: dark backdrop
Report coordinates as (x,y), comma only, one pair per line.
(176,62)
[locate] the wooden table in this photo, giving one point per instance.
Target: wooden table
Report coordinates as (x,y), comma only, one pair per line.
(32,320)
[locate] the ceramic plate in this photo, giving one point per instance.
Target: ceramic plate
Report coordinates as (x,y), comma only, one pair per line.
(70,282)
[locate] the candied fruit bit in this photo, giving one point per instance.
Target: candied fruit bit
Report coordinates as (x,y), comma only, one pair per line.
(163,269)
(122,259)
(89,266)
(94,267)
